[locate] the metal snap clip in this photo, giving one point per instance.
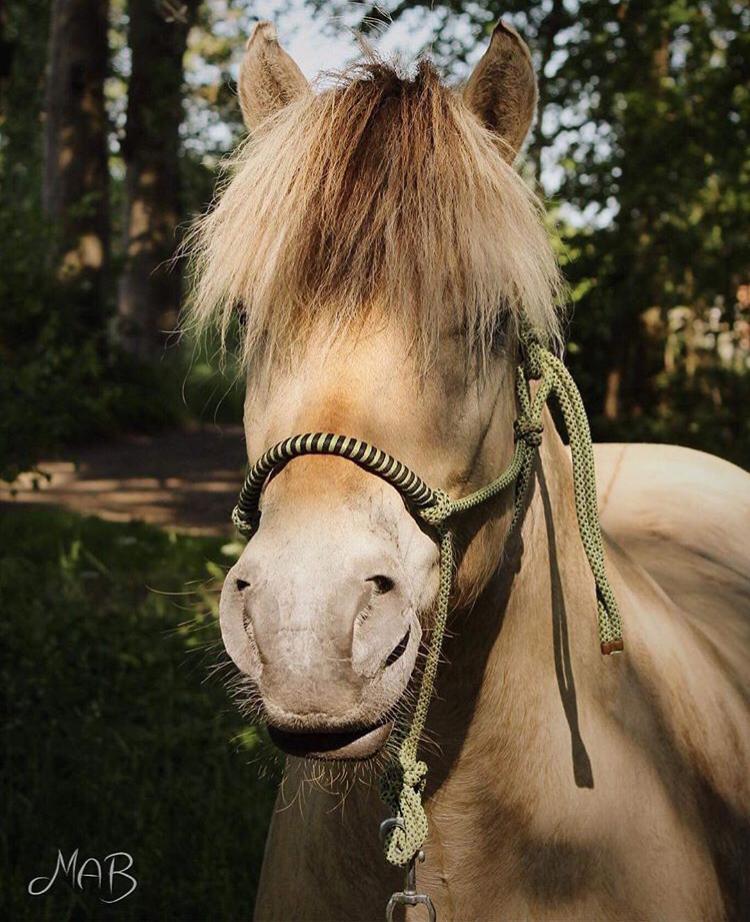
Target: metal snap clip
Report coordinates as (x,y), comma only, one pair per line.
(408,896)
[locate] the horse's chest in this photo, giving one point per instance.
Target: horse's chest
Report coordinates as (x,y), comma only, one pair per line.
(484,866)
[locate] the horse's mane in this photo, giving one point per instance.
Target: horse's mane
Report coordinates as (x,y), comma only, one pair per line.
(380,190)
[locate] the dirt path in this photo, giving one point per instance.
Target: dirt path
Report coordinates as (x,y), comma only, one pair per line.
(186,480)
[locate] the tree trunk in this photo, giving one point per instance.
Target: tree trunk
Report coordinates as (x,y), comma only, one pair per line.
(149,291)
(76,177)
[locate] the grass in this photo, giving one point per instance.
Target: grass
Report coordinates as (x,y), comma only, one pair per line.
(113,740)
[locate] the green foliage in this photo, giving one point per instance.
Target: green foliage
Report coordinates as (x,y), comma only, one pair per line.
(654,95)
(60,383)
(59,379)
(64,380)
(21,94)
(643,148)
(114,739)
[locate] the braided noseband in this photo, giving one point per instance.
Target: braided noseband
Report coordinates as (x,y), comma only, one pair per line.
(403,783)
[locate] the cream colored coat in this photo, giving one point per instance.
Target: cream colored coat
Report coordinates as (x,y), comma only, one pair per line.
(570,786)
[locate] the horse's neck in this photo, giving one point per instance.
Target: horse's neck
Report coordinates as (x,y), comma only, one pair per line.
(525,656)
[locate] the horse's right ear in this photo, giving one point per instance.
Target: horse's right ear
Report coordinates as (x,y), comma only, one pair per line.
(502,92)
(269,78)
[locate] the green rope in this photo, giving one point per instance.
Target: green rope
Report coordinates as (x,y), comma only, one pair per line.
(403,782)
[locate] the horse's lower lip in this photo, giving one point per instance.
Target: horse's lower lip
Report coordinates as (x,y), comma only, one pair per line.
(342,744)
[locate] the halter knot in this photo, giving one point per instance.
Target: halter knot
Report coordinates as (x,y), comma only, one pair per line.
(402,787)
(439,511)
(527,430)
(415,775)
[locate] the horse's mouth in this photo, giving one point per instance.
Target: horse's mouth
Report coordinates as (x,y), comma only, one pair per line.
(352,745)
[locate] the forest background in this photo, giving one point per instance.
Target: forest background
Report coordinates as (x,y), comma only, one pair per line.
(114,116)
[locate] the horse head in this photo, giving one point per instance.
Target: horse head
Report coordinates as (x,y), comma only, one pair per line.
(379,248)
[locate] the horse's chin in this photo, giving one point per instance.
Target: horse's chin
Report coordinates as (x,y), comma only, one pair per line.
(347,745)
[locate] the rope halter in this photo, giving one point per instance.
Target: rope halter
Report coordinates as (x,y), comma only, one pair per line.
(403,782)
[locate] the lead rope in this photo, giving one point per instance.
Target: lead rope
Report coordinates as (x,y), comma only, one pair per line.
(403,782)
(402,785)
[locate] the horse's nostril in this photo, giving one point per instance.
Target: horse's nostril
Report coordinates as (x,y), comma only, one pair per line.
(399,650)
(381,583)
(241,584)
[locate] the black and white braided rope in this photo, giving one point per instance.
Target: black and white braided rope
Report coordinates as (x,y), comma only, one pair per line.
(247,511)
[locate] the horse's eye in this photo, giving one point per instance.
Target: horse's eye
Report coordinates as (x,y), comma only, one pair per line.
(499,332)
(468,329)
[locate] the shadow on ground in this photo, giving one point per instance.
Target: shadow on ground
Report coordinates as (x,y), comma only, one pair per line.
(186,480)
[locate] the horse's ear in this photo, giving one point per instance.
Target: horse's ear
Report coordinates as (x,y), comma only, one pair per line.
(502,90)
(269,78)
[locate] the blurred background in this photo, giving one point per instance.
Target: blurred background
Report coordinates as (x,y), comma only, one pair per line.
(121,448)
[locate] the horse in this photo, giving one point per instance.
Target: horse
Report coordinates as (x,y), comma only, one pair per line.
(378,254)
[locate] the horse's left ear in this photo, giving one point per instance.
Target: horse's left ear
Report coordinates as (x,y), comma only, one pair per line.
(502,90)
(269,78)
